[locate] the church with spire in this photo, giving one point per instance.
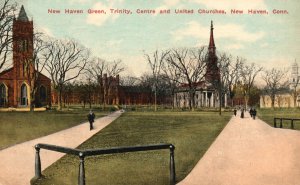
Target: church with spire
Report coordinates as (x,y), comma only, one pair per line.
(206,94)
(16,82)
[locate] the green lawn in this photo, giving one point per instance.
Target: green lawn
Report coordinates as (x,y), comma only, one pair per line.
(191,133)
(268,116)
(17,127)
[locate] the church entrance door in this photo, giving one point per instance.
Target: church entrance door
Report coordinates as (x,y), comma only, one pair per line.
(24,96)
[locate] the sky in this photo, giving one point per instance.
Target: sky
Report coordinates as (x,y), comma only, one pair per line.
(270,40)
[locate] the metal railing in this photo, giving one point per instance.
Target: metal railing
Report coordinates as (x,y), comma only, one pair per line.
(288,119)
(85,153)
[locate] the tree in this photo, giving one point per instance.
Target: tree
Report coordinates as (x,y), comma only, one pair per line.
(275,82)
(6,19)
(129,81)
(155,63)
(67,60)
(35,64)
(191,67)
(235,69)
(222,83)
(248,75)
(171,76)
(96,70)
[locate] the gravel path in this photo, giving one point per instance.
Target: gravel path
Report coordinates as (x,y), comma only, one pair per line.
(17,162)
(249,152)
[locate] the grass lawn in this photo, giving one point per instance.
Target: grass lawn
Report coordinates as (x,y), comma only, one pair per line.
(268,116)
(191,133)
(17,127)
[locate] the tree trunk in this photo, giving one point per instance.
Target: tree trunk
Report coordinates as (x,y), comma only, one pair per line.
(155,100)
(295,98)
(60,99)
(190,100)
(273,102)
(32,105)
(220,103)
(246,102)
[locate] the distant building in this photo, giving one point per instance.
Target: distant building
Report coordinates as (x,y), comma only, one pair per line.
(206,94)
(108,91)
(14,82)
(286,97)
(295,76)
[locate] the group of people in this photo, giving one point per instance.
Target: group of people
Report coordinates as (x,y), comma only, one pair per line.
(251,111)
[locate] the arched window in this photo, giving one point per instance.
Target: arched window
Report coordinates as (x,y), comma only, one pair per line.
(3,95)
(43,94)
(24,94)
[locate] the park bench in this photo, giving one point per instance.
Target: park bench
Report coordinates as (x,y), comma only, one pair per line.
(94,152)
(288,119)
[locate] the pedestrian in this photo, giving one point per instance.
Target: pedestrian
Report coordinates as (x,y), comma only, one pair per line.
(234,111)
(242,113)
(91,118)
(253,113)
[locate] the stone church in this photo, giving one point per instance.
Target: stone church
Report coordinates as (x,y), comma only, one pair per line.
(206,94)
(15,85)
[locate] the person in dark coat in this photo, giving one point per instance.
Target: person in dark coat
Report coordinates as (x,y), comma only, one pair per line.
(91,118)
(253,113)
(242,113)
(234,112)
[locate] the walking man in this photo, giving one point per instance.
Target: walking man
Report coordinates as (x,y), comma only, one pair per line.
(253,113)
(242,113)
(234,111)
(91,118)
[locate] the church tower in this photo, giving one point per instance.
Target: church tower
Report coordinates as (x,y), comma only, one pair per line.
(295,75)
(212,70)
(22,58)
(22,43)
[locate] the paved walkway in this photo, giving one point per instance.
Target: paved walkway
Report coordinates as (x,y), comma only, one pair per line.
(17,162)
(249,152)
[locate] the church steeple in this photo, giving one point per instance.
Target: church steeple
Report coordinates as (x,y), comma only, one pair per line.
(211,46)
(212,70)
(22,15)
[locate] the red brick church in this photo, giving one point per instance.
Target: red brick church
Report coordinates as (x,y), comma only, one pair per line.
(15,85)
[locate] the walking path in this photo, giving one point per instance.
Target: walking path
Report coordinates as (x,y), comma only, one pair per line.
(17,162)
(249,152)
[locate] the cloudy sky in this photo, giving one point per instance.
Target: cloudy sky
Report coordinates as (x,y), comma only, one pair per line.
(270,40)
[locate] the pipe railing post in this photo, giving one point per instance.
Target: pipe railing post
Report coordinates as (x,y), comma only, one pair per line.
(172,165)
(275,123)
(292,124)
(280,122)
(38,173)
(81,175)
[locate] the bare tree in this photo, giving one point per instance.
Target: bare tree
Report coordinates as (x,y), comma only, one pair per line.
(95,69)
(7,9)
(275,82)
(222,83)
(155,61)
(67,61)
(129,81)
(34,65)
(115,67)
(234,70)
(248,75)
(172,75)
(191,66)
